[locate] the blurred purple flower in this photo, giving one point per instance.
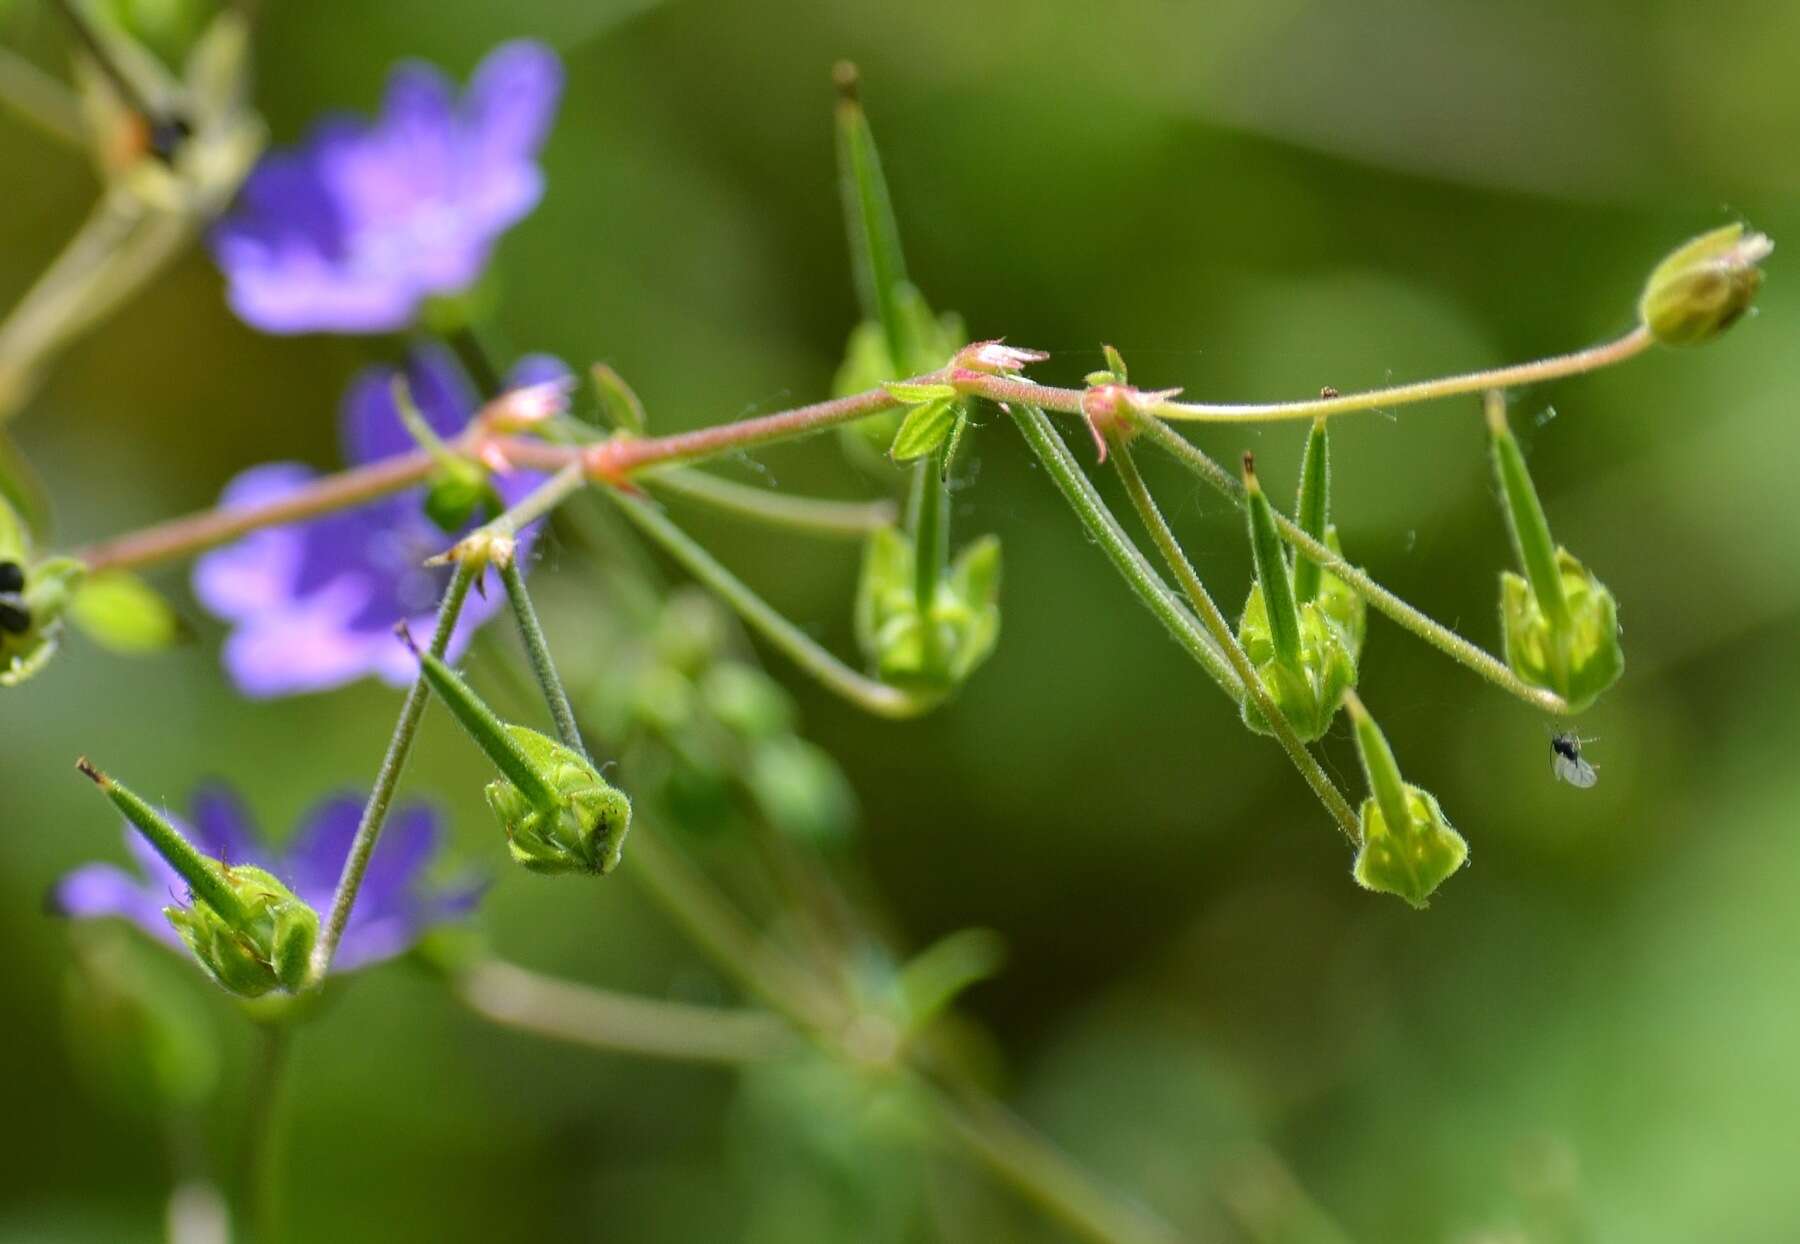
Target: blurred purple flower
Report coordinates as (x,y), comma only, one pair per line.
(393,909)
(313,605)
(352,230)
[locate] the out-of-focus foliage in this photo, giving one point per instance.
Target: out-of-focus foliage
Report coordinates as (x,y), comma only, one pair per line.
(1589,1034)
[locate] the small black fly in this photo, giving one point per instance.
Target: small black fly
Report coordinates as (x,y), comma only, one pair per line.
(1567,763)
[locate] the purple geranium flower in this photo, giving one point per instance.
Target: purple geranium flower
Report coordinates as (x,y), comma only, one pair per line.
(314,605)
(393,908)
(351,231)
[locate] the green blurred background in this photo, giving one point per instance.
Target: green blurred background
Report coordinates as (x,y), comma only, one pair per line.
(1590,1034)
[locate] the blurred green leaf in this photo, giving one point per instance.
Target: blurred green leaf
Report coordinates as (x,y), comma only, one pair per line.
(123,614)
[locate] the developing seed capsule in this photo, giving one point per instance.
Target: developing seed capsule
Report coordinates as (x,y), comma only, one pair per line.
(248,930)
(1408,846)
(559,814)
(937,649)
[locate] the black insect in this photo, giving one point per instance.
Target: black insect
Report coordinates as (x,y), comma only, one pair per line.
(15,619)
(1567,763)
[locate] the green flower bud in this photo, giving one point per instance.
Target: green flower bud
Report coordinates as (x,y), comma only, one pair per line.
(458,488)
(33,604)
(1408,847)
(1305,653)
(247,929)
(1703,287)
(1560,624)
(934,649)
(559,814)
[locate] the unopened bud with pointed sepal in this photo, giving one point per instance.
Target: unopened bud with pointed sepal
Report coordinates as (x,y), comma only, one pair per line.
(1559,622)
(247,929)
(1408,846)
(1703,288)
(1302,651)
(559,814)
(1312,512)
(932,650)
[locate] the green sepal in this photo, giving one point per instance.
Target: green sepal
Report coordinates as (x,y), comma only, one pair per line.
(1309,691)
(1415,861)
(964,617)
(24,505)
(1578,660)
(43,604)
(1704,286)
(1339,601)
(926,427)
(582,831)
(122,613)
(269,945)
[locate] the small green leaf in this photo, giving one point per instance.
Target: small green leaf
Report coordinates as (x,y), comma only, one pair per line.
(123,614)
(23,494)
(918,394)
(924,429)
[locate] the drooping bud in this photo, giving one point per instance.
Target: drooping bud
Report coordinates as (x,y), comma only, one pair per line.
(1560,624)
(1303,652)
(1408,847)
(244,926)
(937,648)
(1702,288)
(559,814)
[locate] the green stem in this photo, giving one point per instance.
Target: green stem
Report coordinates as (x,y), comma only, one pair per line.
(386,779)
(1214,621)
(851,520)
(538,649)
(606,1020)
(867,693)
(1124,555)
(1434,633)
(128,91)
(259,1154)
(1044,1175)
(41,99)
(1632,344)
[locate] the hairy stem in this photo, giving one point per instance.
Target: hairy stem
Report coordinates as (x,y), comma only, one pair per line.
(603,1019)
(382,796)
(1432,632)
(850,520)
(1016,389)
(538,649)
(259,1153)
(1220,630)
(1043,1174)
(1124,555)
